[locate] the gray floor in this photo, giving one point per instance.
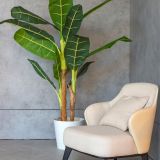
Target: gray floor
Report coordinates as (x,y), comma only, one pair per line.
(36,150)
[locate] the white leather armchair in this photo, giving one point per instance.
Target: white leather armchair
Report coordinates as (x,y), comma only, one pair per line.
(110,142)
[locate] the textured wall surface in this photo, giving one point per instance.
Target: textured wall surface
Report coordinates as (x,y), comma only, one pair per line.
(27,103)
(145,53)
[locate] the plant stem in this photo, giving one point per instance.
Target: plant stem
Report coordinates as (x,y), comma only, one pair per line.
(72,104)
(59,97)
(74,79)
(63,82)
(72,90)
(63,96)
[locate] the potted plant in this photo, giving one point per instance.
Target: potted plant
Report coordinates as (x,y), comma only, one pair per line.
(69,56)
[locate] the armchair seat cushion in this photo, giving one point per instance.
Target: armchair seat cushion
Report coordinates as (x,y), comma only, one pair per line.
(101,141)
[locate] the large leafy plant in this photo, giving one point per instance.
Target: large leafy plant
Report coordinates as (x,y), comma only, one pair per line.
(69,56)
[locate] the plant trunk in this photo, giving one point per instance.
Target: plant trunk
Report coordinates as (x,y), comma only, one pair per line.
(63,96)
(72,104)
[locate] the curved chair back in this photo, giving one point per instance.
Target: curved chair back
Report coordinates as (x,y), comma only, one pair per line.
(142,90)
(139,90)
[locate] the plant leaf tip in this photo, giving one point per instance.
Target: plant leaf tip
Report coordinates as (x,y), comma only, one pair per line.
(126,39)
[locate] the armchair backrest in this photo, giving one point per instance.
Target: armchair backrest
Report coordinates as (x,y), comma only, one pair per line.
(142,90)
(139,90)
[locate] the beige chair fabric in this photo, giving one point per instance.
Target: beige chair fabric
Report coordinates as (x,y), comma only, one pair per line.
(118,116)
(105,141)
(101,141)
(95,112)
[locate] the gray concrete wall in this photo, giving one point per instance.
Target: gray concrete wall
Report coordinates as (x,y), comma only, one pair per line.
(145,53)
(27,103)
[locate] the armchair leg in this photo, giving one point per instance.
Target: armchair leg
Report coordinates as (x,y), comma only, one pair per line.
(67,153)
(144,157)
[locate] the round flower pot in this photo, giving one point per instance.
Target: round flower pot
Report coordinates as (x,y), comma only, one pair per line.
(60,126)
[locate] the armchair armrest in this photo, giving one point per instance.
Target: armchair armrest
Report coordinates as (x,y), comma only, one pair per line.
(94,112)
(141,126)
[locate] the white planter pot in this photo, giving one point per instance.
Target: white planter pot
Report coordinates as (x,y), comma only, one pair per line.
(60,126)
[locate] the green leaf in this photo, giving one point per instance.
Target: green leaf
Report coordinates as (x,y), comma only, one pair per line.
(84,68)
(57,70)
(110,45)
(73,22)
(58,11)
(36,31)
(22,14)
(76,51)
(41,72)
(38,46)
(96,7)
